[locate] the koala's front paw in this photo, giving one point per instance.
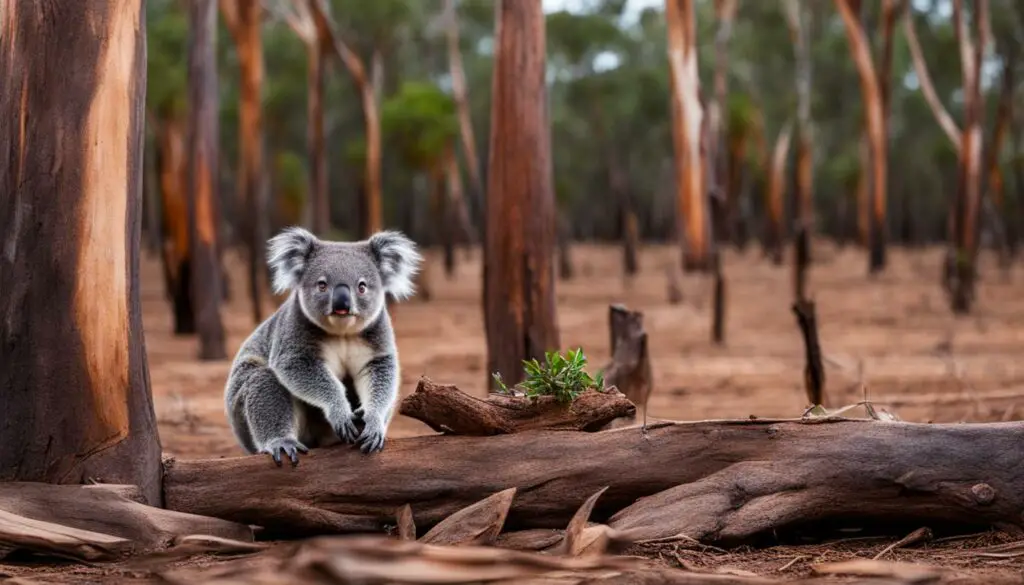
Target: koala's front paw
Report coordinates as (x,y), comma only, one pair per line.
(344,425)
(372,438)
(290,447)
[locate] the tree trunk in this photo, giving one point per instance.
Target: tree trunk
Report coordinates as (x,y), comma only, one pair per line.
(718,154)
(521,321)
(875,130)
(690,167)
(714,481)
(318,210)
(74,386)
(994,185)
(373,205)
(202,178)
(776,194)
(805,140)
(173,169)
(967,203)
(244,19)
(461,94)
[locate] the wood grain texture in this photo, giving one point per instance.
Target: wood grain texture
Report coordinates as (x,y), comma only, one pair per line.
(713,480)
(519,281)
(74,388)
(447,409)
(96,521)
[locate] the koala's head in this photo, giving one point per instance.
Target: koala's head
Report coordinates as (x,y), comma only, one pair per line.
(341,286)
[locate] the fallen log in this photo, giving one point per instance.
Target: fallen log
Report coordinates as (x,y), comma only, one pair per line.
(446,409)
(714,481)
(93,522)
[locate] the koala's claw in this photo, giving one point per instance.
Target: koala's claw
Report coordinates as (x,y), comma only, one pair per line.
(289,447)
(371,441)
(346,429)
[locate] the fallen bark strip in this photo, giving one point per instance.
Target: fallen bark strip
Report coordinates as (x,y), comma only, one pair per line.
(714,480)
(377,560)
(96,521)
(446,409)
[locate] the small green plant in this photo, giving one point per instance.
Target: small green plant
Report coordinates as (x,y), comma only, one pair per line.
(562,377)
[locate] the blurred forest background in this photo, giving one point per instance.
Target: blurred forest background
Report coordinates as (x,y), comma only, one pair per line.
(831,131)
(610,114)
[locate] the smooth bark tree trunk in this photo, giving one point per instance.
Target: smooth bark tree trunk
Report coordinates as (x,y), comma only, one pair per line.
(328,37)
(775,195)
(874,126)
(244,19)
(968,193)
(318,208)
(173,168)
(519,284)
(74,385)
(804,148)
(207,291)
(461,95)
(690,155)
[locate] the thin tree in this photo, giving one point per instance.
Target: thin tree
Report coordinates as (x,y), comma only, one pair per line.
(74,385)
(373,204)
(202,139)
(243,19)
(725,12)
(172,167)
(688,122)
(795,17)
(775,193)
(519,281)
(874,121)
(461,93)
(299,16)
(960,266)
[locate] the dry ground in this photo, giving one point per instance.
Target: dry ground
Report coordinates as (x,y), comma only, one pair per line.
(894,332)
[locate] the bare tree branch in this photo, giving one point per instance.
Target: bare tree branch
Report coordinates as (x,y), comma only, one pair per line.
(927,88)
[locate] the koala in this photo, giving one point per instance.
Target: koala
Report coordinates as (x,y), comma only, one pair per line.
(293,382)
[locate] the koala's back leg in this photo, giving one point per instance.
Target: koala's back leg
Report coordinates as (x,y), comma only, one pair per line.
(262,410)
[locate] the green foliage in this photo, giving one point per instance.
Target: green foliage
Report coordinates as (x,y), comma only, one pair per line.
(563,377)
(420,121)
(166,58)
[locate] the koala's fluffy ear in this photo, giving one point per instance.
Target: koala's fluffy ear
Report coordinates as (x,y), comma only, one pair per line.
(398,261)
(287,254)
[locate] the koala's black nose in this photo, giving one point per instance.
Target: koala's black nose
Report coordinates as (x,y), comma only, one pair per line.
(341,300)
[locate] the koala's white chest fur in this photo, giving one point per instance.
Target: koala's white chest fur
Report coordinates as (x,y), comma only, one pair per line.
(346,355)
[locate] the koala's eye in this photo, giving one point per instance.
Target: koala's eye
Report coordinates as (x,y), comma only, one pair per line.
(362,288)
(321,286)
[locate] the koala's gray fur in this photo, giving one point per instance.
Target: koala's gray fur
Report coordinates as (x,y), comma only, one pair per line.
(287,391)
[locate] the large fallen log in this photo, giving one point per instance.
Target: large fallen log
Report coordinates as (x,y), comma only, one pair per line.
(446,409)
(711,480)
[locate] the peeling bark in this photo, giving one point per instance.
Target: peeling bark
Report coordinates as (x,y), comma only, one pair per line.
(74,386)
(521,322)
